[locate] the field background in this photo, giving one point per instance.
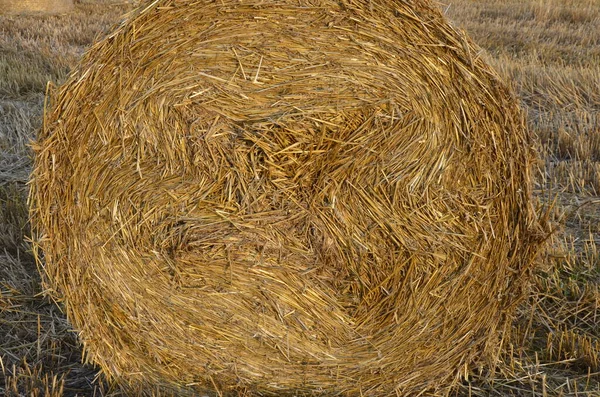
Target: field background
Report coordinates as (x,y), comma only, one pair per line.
(548,50)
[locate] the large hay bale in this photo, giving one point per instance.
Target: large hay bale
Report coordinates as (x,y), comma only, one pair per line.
(291,196)
(37,6)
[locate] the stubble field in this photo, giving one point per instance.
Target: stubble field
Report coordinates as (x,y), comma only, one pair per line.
(548,50)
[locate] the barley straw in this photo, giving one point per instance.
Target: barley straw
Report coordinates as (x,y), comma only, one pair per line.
(286,197)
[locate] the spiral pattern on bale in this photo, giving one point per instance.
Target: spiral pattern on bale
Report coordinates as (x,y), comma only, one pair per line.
(285,197)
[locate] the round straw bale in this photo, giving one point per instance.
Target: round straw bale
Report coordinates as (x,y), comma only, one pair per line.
(37,6)
(286,197)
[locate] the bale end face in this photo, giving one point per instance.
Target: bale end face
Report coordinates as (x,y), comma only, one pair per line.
(286,197)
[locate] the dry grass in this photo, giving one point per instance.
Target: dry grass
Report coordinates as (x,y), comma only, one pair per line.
(547,49)
(35,6)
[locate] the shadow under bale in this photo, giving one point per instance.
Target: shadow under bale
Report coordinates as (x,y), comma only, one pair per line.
(285,197)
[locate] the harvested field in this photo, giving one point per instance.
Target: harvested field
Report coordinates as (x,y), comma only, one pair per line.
(545,49)
(35,6)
